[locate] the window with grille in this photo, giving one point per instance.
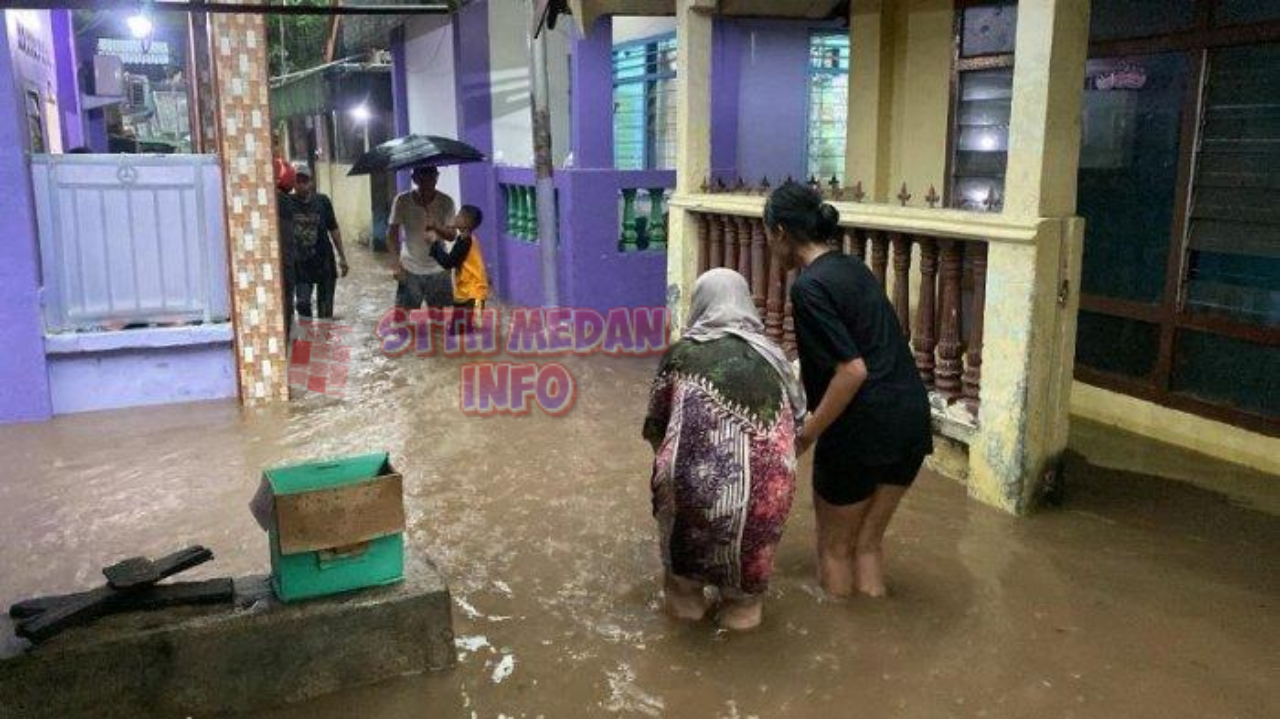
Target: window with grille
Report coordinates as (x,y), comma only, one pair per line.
(644,108)
(1180,291)
(982,104)
(828,104)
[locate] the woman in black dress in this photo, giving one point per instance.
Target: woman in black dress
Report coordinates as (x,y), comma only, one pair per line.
(869,409)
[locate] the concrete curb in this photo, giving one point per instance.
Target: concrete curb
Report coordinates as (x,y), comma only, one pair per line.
(259,654)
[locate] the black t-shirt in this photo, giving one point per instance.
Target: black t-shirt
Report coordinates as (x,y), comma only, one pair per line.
(313,220)
(284,217)
(841,313)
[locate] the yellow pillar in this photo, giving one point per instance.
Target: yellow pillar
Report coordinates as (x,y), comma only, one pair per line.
(1032,288)
(1044,127)
(867,143)
(244,118)
(693,147)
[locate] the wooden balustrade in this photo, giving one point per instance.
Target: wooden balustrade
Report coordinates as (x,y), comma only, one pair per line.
(902,281)
(925,340)
(757,275)
(949,367)
(946,338)
(879,256)
(744,246)
(972,379)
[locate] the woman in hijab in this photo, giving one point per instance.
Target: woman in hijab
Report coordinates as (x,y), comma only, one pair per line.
(723,415)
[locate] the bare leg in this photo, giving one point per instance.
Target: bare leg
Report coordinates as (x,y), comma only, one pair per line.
(741,614)
(683,598)
(837,537)
(870,539)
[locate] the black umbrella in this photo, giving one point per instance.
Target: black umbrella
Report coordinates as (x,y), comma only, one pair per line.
(415,151)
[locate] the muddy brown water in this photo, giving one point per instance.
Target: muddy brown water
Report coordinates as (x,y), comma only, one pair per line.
(1137,597)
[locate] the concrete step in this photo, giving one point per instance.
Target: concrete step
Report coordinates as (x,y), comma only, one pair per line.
(258,653)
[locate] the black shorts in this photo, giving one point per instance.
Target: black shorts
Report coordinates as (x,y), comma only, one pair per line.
(842,480)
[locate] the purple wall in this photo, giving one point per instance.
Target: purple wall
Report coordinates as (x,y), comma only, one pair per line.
(726,67)
(773,99)
(593,273)
(24,379)
(64,48)
(475,117)
(591,65)
(399,97)
(599,275)
(151,366)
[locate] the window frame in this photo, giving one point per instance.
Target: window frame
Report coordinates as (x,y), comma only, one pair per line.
(960,65)
(1169,313)
(650,82)
(810,72)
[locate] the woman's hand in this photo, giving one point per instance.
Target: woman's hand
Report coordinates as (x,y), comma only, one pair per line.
(805,439)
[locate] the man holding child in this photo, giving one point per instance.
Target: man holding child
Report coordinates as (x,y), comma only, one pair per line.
(426,214)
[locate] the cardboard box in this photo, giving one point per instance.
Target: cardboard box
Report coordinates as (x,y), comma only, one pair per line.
(335,525)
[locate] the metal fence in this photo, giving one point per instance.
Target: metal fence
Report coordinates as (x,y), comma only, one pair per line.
(130,239)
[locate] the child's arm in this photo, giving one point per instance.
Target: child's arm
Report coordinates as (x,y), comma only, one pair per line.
(451,259)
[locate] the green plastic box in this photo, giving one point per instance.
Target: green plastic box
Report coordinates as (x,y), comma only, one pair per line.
(337,525)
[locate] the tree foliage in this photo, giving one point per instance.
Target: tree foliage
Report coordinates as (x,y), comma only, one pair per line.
(296,42)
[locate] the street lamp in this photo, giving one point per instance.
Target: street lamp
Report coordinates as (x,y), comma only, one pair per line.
(141,27)
(363,115)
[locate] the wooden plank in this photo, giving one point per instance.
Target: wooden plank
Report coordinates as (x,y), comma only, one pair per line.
(95,603)
(203,592)
(340,516)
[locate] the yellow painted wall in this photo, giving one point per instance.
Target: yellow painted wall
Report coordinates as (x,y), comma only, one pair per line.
(1175,427)
(898,109)
(350,196)
(922,90)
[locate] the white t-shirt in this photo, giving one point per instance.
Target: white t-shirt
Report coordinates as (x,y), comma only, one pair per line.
(413,216)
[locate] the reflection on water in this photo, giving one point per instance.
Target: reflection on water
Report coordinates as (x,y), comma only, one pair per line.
(542,528)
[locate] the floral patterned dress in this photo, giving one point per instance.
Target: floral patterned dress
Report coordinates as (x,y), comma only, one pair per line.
(724,470)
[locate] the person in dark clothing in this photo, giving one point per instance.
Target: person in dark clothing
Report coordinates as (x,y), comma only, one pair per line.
(869,408)
(315,238)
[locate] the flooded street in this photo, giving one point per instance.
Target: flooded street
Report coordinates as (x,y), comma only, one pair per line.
(1138,597)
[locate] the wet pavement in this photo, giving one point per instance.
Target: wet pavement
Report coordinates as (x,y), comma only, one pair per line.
(1138,596)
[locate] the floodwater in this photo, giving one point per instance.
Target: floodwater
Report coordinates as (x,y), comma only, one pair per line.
(1138,597)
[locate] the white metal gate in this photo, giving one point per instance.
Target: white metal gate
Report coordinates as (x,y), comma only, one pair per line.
(128,239)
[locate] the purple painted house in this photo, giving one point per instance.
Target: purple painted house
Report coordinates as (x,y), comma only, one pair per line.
(613,133)
(113,278)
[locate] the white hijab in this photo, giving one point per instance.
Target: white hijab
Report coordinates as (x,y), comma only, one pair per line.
(722,306)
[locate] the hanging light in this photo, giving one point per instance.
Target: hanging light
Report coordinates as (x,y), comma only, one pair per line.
(361,113)
(141,26)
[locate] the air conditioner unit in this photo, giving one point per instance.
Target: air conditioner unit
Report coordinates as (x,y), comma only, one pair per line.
(108,76)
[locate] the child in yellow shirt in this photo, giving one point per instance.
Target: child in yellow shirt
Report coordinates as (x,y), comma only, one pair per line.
(462,255)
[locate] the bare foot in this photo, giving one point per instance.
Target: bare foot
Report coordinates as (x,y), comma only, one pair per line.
(836,574)
(683,599)
(741,615)
(870,573)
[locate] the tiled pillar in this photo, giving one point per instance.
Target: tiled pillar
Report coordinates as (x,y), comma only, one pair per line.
(244,119)
(24,379)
